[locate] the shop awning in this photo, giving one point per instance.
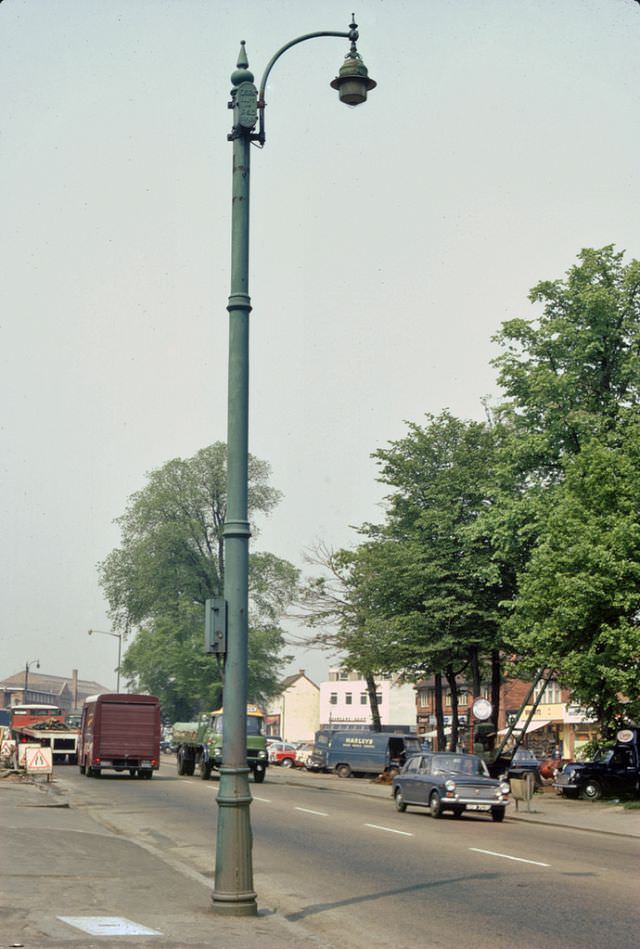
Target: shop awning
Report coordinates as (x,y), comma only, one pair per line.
(533,726)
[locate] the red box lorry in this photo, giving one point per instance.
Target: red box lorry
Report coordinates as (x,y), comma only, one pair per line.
(120,732)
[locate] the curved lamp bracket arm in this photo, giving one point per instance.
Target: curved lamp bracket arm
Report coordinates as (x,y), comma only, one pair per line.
(351,35)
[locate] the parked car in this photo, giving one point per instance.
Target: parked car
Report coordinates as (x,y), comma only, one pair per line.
(283,753)
(522,763)
(447,781)
(304,751)
(613,770)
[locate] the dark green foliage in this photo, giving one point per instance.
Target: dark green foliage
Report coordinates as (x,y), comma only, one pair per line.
(170,561)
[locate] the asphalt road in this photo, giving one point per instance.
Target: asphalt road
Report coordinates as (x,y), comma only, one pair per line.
(352,870)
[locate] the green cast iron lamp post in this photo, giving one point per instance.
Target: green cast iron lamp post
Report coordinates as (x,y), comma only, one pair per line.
(233,892)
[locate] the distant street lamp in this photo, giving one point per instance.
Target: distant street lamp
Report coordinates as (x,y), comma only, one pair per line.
(118,636)
(233,892)
(27,666)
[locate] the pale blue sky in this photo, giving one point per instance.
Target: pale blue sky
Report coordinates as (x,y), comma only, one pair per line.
(388,244)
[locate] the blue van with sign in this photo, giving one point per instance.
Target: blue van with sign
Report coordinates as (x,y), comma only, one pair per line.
(361,752)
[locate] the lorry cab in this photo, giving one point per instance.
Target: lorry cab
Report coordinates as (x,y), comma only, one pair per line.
(369,752)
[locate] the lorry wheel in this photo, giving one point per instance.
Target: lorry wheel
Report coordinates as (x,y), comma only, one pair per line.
(132,772)
(259,776)
(147,773)
(592,791)
(343,771)
(81,768)
(181,764)
(205,770)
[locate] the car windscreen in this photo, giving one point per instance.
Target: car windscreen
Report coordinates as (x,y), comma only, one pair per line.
(459,764)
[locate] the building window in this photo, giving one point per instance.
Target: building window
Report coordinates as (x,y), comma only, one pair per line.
(343,676)
(364,698)
(552,694)
(424,698)
(334,698)
(348,697)
(463,699)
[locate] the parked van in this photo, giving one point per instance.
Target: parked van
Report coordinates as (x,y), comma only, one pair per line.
(120,732)
(368,752)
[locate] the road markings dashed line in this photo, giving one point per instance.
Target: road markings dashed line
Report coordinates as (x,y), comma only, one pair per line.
(265,800)
(305,810)
(506,856)
(389,830)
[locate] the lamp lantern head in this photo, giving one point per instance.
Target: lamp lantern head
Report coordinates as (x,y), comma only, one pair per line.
(353,82)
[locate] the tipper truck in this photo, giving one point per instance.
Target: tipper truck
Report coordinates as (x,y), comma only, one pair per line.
(199,744)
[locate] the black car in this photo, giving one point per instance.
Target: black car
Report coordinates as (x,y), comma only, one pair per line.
(448,781)
(613,771)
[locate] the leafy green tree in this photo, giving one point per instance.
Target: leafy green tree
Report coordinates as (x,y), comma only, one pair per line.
(572,374)
(421,593)
(442,581)
(572,387)
(334,605)
(579,597)
(171,560)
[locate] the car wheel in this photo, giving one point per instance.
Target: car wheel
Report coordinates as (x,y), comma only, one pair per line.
(592,791)
(287,762)
(497,814)
(435,805)
(343,771)
(398,798)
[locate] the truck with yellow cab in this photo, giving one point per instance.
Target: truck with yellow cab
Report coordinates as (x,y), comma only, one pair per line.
(199,744)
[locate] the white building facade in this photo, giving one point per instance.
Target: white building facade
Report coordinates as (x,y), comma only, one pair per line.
(344,701)
(294,714)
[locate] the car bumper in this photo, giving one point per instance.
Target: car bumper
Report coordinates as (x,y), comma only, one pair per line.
(472,803)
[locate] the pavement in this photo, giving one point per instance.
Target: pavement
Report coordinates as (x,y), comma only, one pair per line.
(61,870)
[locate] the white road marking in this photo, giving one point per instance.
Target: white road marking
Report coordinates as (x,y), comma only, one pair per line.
(389,830)
(305,810)
(265,800)
(506,856)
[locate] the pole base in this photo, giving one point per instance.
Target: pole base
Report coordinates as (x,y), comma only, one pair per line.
(237,904)
(233,893)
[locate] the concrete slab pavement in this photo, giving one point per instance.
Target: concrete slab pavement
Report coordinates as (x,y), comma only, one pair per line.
(58,862)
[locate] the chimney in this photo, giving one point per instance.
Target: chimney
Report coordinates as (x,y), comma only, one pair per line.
(74,689)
